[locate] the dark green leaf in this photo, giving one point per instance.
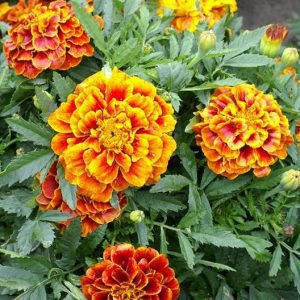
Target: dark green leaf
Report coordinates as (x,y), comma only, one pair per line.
(188,160)
(54,216)
(249,61)
(276,261)
(186,249)
(64,86)
(170,183)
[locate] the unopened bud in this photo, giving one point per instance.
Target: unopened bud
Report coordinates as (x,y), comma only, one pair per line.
(290,180)
(289,230)
(272,39)
(137,216)
(207,40)
(147,49)
(20,151)
(166,96)
(290,56)
(16,116)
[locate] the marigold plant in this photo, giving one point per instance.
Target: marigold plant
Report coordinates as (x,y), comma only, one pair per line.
(242,129)
(113,132)
(129,273)
(92,214)
(48,37)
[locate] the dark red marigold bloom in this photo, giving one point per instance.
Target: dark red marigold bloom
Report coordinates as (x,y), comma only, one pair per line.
(127,273)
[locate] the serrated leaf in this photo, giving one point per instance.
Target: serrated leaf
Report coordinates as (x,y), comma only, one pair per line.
(188,160)
(249,61)
(125,51)
(68,190)
(170,183)
(176,101)
(17,202)
(90,26)
(295,268)
(25,237)
(35,264)
(11,254)
(93,240)
(191,218)
(142,232)
(54,216)
(163,241)
(131,7)
(25,166)
(174,47)
(174,76)
(30,131)
(45,101)
(44,232)
(219,237)
(16,279)
(75,291)
(186,249)
(163,202)
(224,292)
(225,186)
(38,292)
(187,43)
(63,86)
(215,265)
(68,244)
(276,261)
(207,177)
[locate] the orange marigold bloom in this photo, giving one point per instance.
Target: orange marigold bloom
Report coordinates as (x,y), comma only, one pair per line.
(215,10)
(186,14)
(129,273)
(46,38)
(4,8)
(242,129)
(113,133)
(93,214)
(276,33)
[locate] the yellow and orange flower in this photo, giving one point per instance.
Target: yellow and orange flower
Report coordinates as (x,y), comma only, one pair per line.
(113,133)
(215,10)
(291,71)
(242,129)
(129,273)
(4,8)
(93,214)
(186,13)
(297,133)
(48,37)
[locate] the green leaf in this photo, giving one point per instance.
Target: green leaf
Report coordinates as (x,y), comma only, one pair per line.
(25,237)
(225,186)
(126,51)
(163,202)
(131,7)
(68,190)
(93,240)
(215,265)
(249,61)
(170,183)
(11,254)
(30,131)
(38,292)
(174,47)
(16,279)
(297,243)
(218,237)
(276,261)
(232,81)
(68,244)
(163,241)
(295,268)
(141,230)
(176,101)
(54,216)
(207,177)
(74,291)
(174,76)
(45,101)
(224,292)
(18,202)
(245,41)
(187,43)
(191,218)
(194,199)
(186,249)
(188,160)
(64,86)
(25,166)
(90,26)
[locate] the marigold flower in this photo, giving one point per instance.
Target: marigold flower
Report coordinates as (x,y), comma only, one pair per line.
(93,214)
(129,273)
(242,129)
(272,39)
(186,14)
(113,133)
(215,10)
(297,132)
(46,38)
(4,8)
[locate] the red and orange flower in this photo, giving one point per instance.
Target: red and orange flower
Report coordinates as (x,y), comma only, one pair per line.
(48,37)
(242,129)
(215,10)
(297,133)
(186,13)
(113,133)
(129,273)
(93,214)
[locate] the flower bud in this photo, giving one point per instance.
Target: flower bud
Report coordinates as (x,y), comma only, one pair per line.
(147,49)
(289,230)
(20,151)
(272,39)
(290,56)
(290,180)
(137,216)
(207,40)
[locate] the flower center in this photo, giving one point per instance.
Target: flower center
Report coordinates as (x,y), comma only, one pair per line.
(126,292)
(114,133)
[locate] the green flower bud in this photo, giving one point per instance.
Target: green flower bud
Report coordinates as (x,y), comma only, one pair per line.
(207,40)
(290,56)
(147,49)
(20,151)
(137,216)
(290,180)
